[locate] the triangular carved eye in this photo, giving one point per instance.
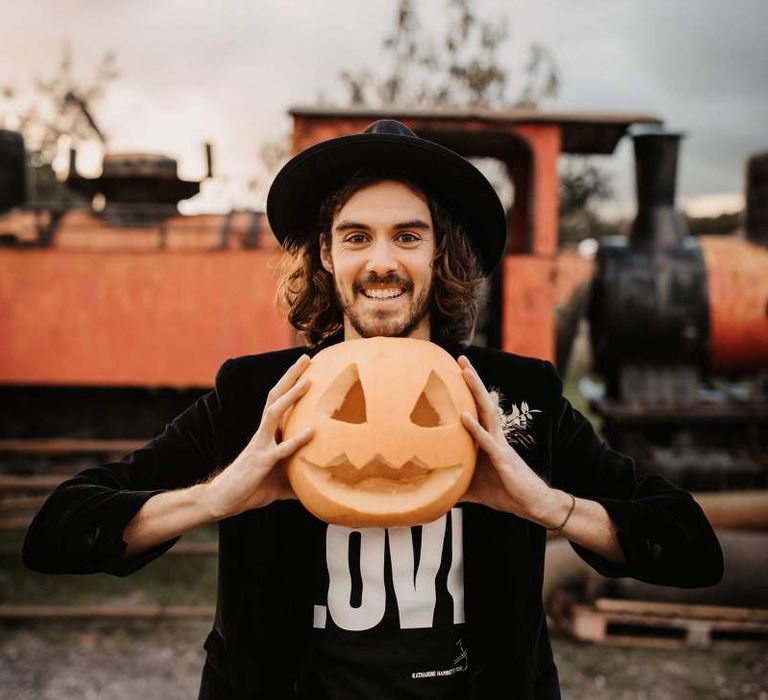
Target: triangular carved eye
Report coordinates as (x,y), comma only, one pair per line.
(345,399)
(434,406)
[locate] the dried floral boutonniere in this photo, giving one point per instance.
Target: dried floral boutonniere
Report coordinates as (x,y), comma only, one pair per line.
(515,422)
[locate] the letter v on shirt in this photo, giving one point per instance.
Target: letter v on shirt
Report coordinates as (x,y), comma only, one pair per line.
(414,585)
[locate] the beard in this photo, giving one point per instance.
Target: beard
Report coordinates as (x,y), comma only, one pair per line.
(372,324)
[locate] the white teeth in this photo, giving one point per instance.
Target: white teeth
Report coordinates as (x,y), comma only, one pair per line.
(382,293)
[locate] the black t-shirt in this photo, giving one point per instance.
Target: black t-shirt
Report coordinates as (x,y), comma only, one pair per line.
(389,614)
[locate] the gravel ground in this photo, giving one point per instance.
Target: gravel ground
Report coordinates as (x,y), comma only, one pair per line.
(96,661)
(149,661)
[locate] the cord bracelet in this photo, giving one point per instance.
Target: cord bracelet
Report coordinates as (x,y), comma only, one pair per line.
(567,517)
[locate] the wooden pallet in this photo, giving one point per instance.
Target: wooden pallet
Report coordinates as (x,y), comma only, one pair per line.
(656,624)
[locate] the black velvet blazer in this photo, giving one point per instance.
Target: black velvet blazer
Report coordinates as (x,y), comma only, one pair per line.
(257,647)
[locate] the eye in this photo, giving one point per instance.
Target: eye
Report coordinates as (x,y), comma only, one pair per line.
(355,239)
(408,237)
(434,406)
(345,399)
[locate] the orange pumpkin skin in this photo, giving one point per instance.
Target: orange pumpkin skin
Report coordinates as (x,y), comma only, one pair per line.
(389,448)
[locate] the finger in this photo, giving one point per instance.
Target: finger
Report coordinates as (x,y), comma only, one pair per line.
(482,437)
(288,379)
(287,447)
(486,406)
(273,414)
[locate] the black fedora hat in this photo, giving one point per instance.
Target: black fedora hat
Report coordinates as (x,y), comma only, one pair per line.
(389,147)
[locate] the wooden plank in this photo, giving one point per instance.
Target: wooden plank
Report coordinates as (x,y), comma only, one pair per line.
(204,548)
(193,548)
(65,446)
(20,522)
(36,482)
(686,610)
(744,510)
(21,503)
(104,612)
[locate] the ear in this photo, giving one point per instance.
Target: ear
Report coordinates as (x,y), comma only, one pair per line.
(325,253)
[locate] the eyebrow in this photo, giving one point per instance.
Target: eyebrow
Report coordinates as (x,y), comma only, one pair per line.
(413,223)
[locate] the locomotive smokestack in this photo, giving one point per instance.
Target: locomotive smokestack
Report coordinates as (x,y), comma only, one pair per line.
(756,210)
(658,225)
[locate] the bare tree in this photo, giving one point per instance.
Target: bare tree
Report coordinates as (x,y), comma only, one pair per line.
(464,67)
(59,106)
(57,111)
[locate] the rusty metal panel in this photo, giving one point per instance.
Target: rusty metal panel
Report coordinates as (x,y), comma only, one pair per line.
(149,318)
(83,230)
(545,141)
(529,298)
(737,280)
(583,132)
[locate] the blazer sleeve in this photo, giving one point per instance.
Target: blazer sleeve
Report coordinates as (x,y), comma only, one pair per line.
(79,528)
(664,534)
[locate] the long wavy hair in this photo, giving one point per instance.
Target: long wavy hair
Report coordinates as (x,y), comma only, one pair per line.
(306,291)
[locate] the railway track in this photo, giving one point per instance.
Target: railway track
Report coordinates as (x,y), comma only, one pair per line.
(23,489)
(29,470)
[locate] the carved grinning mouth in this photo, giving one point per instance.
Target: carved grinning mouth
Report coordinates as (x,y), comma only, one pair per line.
(343,470)
(375,473)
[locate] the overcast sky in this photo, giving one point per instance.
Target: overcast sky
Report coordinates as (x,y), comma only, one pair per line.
(227,71)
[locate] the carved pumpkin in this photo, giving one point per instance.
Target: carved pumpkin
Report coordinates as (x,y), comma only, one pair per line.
(388,446)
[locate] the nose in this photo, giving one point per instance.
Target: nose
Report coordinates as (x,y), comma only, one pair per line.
(381,259)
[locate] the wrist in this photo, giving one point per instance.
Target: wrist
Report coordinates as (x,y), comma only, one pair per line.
(207,501)
(553,509)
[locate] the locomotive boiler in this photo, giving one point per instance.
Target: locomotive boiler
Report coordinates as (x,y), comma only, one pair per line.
(679,331)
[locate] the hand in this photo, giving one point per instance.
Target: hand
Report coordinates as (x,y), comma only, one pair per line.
(502,480)
(257,477)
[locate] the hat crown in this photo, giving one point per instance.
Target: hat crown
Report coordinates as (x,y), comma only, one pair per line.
(390,127)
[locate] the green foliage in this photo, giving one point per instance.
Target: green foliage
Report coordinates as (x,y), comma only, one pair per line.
(721,225)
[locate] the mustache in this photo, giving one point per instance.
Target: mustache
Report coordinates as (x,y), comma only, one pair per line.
(390,279)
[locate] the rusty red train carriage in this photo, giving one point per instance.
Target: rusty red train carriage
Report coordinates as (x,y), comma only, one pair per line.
(138,297)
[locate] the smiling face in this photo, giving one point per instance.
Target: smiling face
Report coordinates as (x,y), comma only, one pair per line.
(382,243)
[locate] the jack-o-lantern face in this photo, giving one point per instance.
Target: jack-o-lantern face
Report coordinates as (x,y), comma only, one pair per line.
(388,447)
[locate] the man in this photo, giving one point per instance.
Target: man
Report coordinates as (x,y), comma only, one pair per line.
(384,234)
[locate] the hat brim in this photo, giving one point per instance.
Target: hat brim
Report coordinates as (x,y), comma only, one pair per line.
(294,199)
